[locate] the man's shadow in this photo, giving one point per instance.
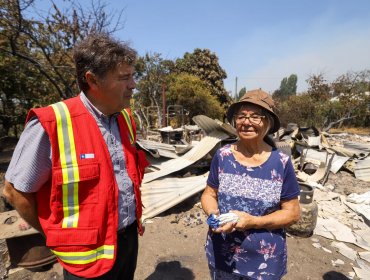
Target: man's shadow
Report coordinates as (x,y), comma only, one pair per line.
(333,275)
(171,271)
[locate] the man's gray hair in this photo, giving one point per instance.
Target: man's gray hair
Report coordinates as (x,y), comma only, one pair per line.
(99,53)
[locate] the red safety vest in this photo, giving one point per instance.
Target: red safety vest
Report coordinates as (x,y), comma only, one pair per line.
(77,207)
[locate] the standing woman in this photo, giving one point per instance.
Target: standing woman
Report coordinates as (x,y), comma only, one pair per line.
(256,181)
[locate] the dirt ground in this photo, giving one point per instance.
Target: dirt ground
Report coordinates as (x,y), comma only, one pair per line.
(173,244)
(173,248)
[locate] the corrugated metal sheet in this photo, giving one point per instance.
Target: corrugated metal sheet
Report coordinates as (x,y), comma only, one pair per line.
(284,146)
(206,123)
(215,134)
(195,154)
(359,149)
(336,164)
(351,149)
(342,151)
(362,170)
(160,195)
(313,141)
(315,177)
(209,125)
(158,149)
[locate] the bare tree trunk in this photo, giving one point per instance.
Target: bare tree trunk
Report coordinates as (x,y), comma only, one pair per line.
(340,121)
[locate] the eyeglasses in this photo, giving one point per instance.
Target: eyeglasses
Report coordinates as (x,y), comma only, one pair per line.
(254,119)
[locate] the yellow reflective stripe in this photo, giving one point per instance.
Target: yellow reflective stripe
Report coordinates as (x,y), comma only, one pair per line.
(129,125)
(60,141)
(62,160)
(76,204)
(72,144)
(103,252)
(68,160)
(65,205)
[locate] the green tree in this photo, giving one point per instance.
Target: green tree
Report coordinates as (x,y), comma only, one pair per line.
(319,88)
(242,91)
(288,87)
(20,90)
(194,95)
(151,73)
(326,105)
(352,97)
(36,52)
(204,64)
(302,109)
(10,90)
(46,41)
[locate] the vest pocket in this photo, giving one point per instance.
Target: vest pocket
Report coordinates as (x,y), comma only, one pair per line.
(71,236)
(76,184)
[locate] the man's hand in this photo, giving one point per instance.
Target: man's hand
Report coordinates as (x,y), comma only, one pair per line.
(23,225)
(24,203)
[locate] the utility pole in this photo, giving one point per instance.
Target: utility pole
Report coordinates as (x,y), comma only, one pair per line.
(236,88)
(164,123)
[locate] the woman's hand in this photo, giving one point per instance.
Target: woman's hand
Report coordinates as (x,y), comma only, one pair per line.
(246,221)
(226,228)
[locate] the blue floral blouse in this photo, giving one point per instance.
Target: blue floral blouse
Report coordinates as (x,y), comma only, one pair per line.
(255,253)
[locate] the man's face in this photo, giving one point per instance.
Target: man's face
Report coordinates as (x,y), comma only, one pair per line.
(116,88)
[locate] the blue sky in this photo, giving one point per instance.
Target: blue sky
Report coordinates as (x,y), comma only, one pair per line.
(260,42)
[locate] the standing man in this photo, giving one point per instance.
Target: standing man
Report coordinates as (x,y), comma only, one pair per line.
(75,173)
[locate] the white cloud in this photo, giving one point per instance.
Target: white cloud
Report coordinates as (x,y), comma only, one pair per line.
(326,47)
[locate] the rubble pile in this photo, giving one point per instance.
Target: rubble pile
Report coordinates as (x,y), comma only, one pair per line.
(338,167)
(192,218)
(338,222)
(334,165)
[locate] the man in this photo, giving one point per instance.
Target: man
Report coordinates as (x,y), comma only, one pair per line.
(75,173)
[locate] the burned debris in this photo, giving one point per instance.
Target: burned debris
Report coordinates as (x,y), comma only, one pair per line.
(333,170)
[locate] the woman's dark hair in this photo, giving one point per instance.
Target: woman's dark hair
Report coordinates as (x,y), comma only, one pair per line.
(99,54)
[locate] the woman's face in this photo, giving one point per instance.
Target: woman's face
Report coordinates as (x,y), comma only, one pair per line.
(251,123)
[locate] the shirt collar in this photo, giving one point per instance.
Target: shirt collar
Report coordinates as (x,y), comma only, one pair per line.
(92,109)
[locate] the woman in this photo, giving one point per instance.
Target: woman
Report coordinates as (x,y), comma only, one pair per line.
(256,181)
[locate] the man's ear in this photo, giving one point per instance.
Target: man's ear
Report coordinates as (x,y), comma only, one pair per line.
(91,80)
